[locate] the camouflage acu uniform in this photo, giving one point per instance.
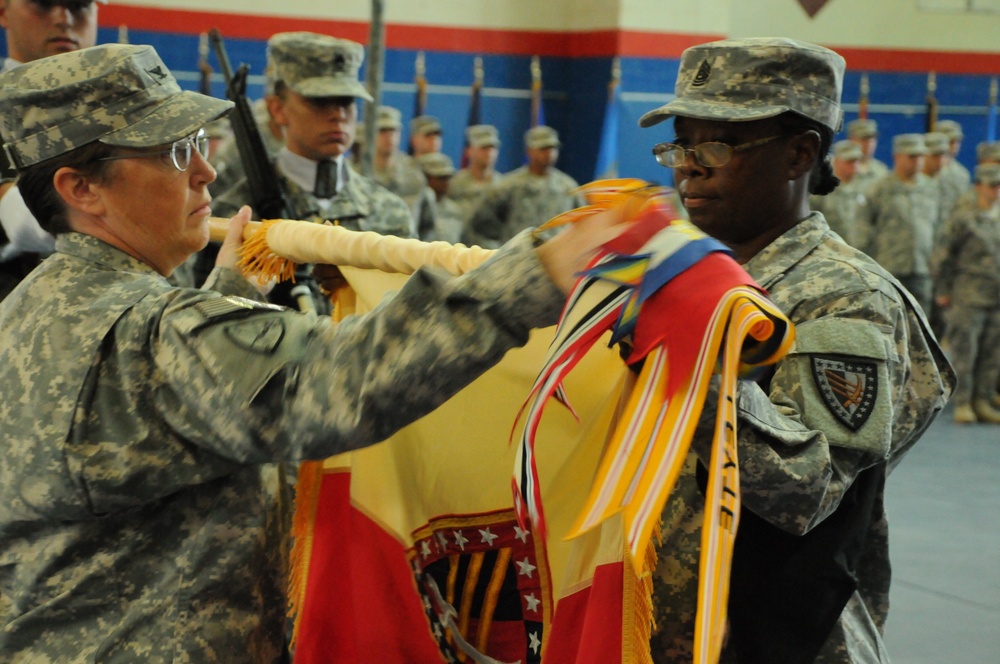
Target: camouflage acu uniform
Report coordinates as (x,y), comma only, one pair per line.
(819,432)
(840,208)
(469,192)
(896,227)
(141,518)
(966,268)
(870,172)
(404,179)
(802,457)
(521,200)
(361,205)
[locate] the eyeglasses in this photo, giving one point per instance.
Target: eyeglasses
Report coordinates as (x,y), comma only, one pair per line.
(74,6)
(180,151)
(709,155)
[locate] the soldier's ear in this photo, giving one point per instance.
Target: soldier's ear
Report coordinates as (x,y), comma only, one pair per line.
(78,191)
(276,107)
(803,151)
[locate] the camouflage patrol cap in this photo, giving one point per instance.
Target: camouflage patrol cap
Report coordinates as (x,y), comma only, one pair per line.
(118,94)
(388,118)
(937,142)
(847,150)
(482,135)
(988,151)
(436,164)
(424,125)
(909,144)
(739,80)
(862,128)
(987,174)
(951,128)
(541,137)
(315,65)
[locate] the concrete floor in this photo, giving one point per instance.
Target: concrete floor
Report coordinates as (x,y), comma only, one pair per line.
(943,503)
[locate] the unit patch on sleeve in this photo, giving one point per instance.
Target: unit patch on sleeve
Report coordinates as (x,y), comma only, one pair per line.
(848,387)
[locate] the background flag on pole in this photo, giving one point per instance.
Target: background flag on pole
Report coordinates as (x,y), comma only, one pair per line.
(478,74)
(205,69)
(991,114)
(537,109)
(420,96)
(122,34)
(607,154)
(863,98)
(932,103)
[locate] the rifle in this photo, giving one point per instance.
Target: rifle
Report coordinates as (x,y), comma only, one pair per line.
(266,196)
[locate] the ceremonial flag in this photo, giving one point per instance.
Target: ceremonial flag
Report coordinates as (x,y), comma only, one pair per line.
(991,113)
(420,94)
(478,75)
(607,153)
(537,107)
(863,98)
(415,549)
(932,104)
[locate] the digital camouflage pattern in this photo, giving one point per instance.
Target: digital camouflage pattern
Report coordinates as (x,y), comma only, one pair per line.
(750,79)
(840,208)
(844,306)
(521,200)
(315,65)
(143,516)
(360,205)
(897,225)
(122,95)
(869,172)
(966,269)
(404,178)
(469,192)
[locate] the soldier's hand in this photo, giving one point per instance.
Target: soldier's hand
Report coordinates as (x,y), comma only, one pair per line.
(568,252)
(230,249)
(329,278)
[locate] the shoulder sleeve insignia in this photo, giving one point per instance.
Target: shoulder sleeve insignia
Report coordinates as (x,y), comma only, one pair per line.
(848,387)
(258,335)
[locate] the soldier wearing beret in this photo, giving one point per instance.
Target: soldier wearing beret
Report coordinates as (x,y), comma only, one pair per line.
(34,29)
(817,437)
(966,269)
(471,183)
(900,218)
(143,507)
(527,196)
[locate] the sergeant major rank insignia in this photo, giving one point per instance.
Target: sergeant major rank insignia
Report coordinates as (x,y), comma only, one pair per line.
(848,388)
(701,76)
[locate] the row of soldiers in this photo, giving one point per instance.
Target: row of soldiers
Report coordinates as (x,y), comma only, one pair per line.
(936,228)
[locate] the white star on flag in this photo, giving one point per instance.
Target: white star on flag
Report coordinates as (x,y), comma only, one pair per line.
(534,644)
(526,567)
(521,534)
(437,630)
(460,539)
(488,537)
(532,602)
(425,548)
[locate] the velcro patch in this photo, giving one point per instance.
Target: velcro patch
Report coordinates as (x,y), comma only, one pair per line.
(257,335)
(849,388)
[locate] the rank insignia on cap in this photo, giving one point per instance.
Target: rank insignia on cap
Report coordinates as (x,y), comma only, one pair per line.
(701,77)
(848,387)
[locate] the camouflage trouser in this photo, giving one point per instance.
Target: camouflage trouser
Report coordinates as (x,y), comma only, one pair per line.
(974,338)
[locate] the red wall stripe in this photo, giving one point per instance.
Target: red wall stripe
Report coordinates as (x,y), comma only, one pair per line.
(600,43)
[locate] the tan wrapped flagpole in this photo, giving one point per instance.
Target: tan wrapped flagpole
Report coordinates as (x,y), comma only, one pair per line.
(309,242)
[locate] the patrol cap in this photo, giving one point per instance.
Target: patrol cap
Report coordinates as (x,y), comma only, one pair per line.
(937,142)
(118,94)
(436,164)
(425,125)
(951,128)
(739,80)
(862,128)
(315,65)
(988,151)
(482,135)
(541,137)
(388,118)
(909,144)
(847,150)
(987,174)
